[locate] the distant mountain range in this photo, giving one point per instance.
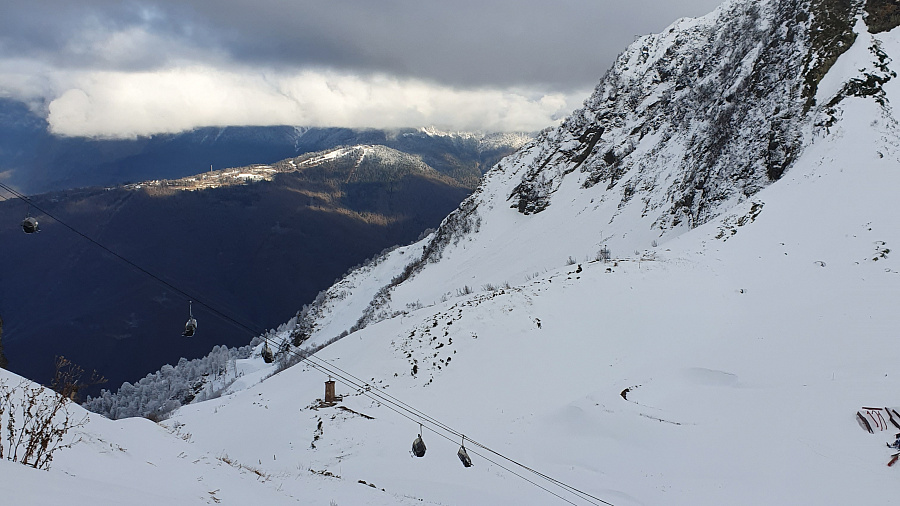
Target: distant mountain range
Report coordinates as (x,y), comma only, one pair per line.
(255,242)
(36,161)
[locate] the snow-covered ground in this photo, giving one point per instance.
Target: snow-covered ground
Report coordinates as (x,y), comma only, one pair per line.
(724,365)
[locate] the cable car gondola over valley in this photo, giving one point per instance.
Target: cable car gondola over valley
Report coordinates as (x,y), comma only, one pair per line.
(30,225)
(191,326)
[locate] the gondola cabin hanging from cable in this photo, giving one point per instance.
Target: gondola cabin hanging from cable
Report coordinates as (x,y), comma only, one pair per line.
(418,447)
(463,455)
(267,355)
(191,326)
(30,225)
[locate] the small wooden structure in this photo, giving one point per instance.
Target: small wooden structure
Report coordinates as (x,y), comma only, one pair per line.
(329,391)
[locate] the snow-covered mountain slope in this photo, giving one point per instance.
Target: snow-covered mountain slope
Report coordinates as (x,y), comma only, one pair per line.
(686,126)
(131,461)
(723,365)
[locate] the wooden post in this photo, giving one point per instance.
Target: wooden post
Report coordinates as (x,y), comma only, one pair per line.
(329,391)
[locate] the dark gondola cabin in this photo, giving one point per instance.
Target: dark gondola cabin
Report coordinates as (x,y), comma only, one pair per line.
(418,447)
(30,225)
(464,456)
(190,327)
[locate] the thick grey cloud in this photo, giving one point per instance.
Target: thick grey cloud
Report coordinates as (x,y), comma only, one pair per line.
(115,54)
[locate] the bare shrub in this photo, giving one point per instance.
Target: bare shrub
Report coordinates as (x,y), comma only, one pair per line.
(67,379)
(603,255)
(34,420)
(466,290)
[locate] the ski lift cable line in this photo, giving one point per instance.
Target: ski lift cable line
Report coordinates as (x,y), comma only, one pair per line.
(416,416)
(438,431)
(130,263)
(385,398)
(11,192)
(395,400)
(365,387)
(449,429)
(407,407)
(379,396)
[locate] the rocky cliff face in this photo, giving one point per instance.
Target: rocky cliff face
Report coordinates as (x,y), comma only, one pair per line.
(700,116)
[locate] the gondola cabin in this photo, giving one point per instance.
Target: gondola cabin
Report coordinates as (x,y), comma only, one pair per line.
(30,225)
(190,327)
(464,457)
(418,447)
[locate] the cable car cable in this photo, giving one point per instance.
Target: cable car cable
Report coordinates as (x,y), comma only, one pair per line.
(396,405)
(398,401)
(437,430)
(374,393)
(130,263)
(385,398)
(459,434)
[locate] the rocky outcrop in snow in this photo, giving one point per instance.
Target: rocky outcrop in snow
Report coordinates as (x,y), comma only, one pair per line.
(698,117)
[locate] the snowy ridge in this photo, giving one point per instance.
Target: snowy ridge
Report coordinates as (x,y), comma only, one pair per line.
(383,153)
(486,141)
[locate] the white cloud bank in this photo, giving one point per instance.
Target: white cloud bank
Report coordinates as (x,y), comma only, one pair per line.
(129,104)
(113,69)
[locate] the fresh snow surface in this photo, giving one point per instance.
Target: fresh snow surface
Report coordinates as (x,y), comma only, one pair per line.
(723,366)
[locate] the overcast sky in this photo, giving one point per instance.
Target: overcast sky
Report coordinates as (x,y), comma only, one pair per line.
(132,67)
